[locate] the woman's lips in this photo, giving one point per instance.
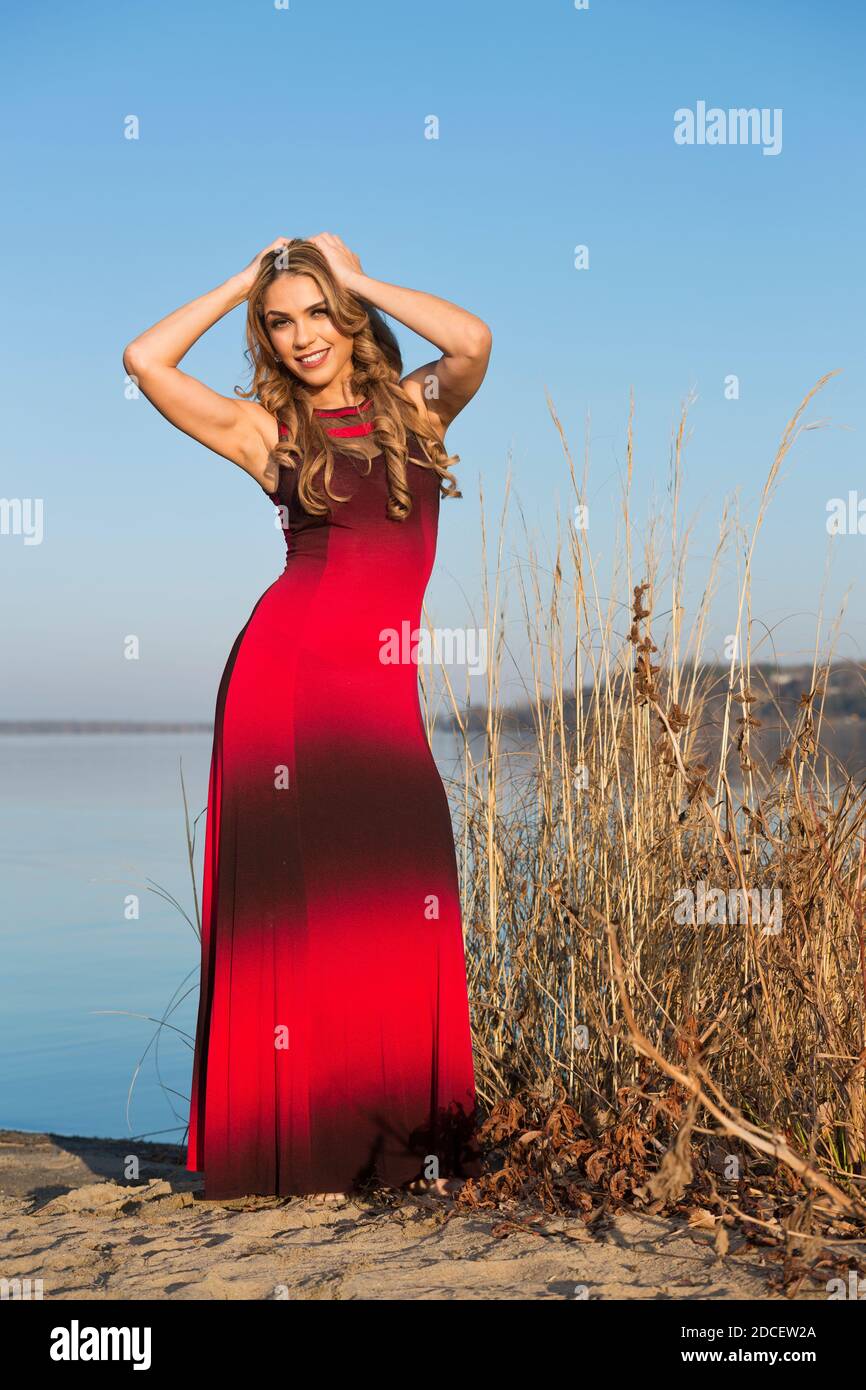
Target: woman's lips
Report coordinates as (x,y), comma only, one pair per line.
(311,366)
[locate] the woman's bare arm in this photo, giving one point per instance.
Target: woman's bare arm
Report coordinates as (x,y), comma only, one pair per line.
(242,431)
(442,387)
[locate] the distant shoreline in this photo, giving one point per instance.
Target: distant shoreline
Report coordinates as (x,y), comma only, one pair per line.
(102,726)
(843,703)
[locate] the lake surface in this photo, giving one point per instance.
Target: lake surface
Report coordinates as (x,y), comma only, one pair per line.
(85,822)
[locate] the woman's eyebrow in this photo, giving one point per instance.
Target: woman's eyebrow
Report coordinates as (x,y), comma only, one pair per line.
(281,313)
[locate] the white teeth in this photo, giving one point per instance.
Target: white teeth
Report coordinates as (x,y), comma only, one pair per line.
(314,356)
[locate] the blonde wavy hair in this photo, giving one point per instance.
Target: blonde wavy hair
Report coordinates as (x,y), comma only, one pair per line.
(377,368)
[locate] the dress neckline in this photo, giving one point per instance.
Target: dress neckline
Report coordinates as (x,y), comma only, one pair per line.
(345,409)
(345,422)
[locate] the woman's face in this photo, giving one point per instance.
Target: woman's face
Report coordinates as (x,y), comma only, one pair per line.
(302,334)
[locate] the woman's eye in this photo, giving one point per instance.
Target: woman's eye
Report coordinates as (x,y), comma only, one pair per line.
(280,323)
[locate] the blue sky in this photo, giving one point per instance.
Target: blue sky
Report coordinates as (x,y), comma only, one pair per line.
(556,129)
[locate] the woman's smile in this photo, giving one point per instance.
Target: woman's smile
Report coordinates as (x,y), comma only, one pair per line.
(313,359)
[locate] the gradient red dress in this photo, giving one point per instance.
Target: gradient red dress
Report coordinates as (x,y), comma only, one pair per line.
(333,1040)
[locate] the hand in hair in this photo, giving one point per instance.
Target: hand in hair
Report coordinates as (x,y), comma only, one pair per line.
(248,275)
(344,264)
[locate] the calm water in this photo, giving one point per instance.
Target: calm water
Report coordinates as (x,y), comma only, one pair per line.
(86,821)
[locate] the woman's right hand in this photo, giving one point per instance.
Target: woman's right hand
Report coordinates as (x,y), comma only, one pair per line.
(248,275)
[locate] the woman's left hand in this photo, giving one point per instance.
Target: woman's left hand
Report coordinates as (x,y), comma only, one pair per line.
(343,262)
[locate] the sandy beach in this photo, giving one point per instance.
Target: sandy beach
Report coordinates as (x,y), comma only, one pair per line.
(70,1219)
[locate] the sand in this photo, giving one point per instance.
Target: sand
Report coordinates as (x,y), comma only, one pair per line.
(70,1219)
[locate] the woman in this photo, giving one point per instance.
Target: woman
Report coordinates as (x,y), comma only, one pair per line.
(333,1043)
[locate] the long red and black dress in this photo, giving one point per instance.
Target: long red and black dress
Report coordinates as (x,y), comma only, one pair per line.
(333,1040)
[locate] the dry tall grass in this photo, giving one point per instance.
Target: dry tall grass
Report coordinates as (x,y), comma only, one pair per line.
(574,857)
